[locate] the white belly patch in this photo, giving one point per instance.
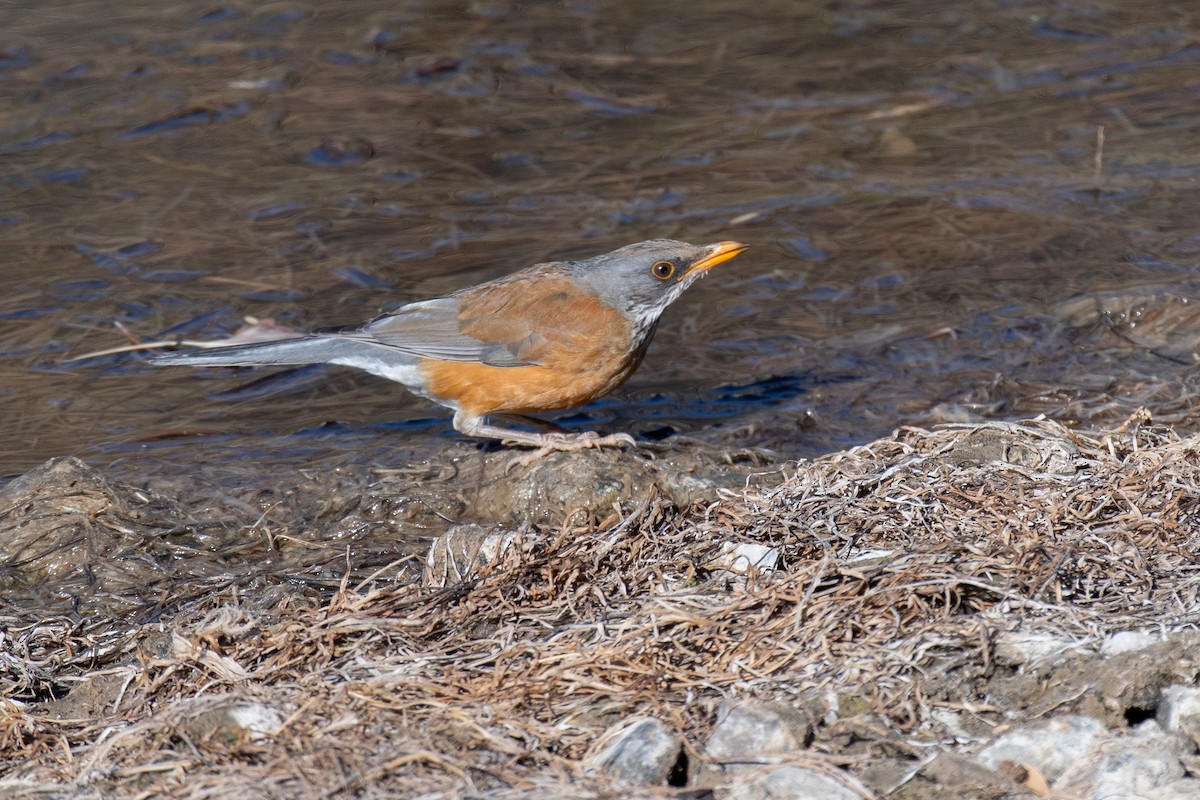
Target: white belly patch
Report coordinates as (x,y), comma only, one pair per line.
(408,374)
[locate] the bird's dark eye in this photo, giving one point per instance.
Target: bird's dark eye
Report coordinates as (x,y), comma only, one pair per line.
(662,270)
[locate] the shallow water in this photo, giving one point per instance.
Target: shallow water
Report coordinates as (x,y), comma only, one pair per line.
(979,211)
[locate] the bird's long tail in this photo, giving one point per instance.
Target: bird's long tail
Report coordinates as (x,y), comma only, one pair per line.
(305,350)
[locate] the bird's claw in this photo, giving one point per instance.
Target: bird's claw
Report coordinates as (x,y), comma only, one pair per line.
(570,443)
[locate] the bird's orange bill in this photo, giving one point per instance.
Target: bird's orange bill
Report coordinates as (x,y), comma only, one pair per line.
(719,253)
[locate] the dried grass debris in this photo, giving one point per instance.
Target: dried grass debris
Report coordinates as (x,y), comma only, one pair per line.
(901,563)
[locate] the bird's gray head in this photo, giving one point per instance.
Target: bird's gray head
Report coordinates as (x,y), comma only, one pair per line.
(643,279)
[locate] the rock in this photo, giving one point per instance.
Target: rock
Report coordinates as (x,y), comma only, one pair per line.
(788,782)
(1112,689)
(952,775)
(228,721)
(586,484)
(1153,734)
(894,144)
(751,729)
(1127,642)
(637,750)
(467,551)
(64,521)
(1179,711)
(94,697)
(560,486)
(68,531)
(864,559)
(1134,765)
(1134,680)
(961,725)
(1183,789)
(1019,648)
(883,773)
(742,558)
(1051,747)
(1012,443)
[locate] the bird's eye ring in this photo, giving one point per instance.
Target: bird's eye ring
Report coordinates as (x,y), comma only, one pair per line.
(662,270)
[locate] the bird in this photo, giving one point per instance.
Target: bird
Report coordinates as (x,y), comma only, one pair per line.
(549,337)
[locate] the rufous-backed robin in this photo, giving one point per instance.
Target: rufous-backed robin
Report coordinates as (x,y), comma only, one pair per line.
(549,337)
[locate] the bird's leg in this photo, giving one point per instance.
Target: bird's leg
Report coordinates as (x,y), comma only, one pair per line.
(476,425)
(546,443)
(543,425)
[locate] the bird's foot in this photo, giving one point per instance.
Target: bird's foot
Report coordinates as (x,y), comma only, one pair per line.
(569,443)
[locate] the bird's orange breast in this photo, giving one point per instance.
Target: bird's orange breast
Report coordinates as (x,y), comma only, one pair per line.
(578,349)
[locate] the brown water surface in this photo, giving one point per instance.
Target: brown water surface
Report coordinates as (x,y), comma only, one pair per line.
(958,211)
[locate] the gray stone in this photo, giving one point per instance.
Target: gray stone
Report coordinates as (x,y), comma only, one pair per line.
(1134,765)
(788,782)
(1020,648)
(466,551)
(637,750)
(1012,443)
(1050,747)
(955,775)
(230,720)
(751,729)
(1154,734)
(742,558)
(874,558)
(65,522)
(1127,642)
(1179,711)
(961,725)
(1183,789)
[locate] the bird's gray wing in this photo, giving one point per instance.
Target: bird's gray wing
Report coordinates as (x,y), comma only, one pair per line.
(432,329)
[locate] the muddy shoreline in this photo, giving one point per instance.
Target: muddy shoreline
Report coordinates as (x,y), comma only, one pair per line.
(930,593)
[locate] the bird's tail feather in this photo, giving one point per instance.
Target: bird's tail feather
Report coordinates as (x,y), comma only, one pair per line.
(306,350)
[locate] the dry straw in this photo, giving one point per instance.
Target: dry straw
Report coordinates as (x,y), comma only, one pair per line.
(903,563)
